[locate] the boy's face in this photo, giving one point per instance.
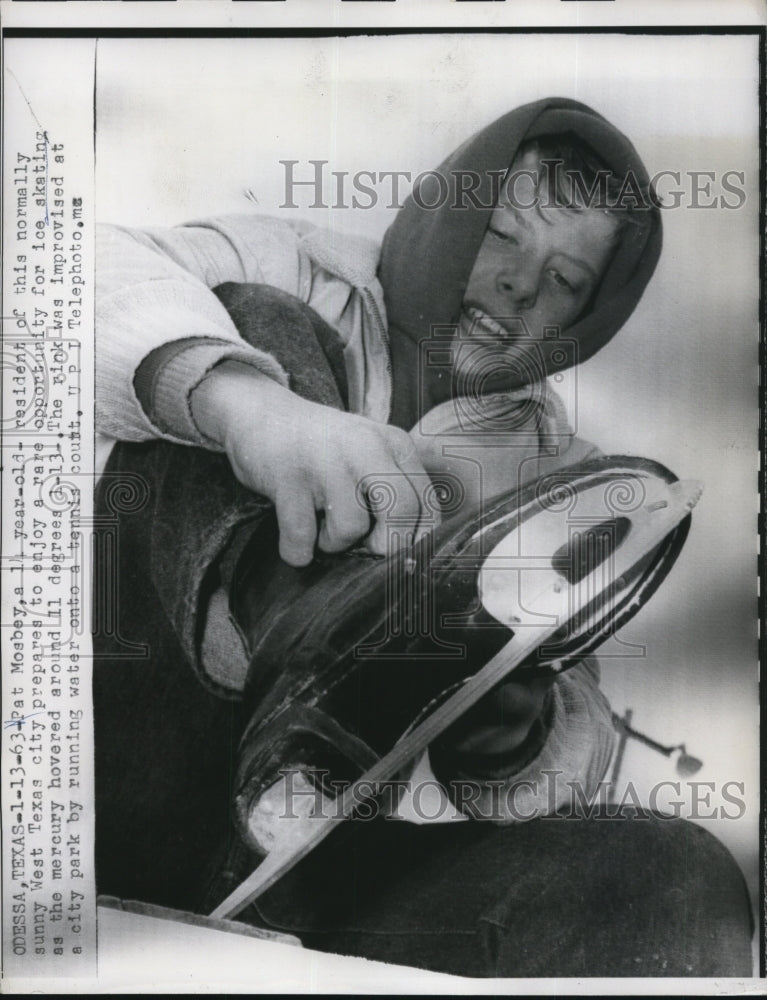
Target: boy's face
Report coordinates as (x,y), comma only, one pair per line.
(540,264)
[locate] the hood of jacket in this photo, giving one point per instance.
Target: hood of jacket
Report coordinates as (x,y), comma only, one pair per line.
(428,255)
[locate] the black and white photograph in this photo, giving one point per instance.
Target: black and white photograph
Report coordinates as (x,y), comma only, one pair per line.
(416,518)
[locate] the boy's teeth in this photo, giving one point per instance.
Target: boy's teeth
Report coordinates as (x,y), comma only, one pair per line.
(486,324)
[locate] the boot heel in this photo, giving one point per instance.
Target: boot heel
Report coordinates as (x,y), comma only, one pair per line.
(287,772)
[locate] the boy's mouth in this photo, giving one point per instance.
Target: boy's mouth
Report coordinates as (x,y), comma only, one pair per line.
(477,324)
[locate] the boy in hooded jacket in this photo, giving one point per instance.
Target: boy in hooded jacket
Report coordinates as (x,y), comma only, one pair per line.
(493,276)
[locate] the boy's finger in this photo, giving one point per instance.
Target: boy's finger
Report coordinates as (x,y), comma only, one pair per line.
(379,541)
(426,527)
(405,453)
(297,521)
(410,462)
(345,523)
(396,495)
(395,522)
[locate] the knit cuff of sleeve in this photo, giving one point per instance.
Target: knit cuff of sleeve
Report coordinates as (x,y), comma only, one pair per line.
(492,766)
(166,378)
(574,759)
(569,764)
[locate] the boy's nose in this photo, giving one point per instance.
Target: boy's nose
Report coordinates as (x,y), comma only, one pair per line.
(519,289)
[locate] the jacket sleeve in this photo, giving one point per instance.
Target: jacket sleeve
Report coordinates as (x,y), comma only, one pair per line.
(569,766)
(153,287)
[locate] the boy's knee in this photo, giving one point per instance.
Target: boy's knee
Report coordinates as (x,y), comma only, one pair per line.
(628,894)
(284,326)
(267,309)
(266,300)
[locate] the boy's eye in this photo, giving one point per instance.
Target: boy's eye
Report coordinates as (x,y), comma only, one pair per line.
(561,281)
(504,237)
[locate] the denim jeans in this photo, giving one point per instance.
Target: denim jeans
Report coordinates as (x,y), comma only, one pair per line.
(625,894)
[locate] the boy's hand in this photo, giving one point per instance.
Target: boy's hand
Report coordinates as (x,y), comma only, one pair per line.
(306,458)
